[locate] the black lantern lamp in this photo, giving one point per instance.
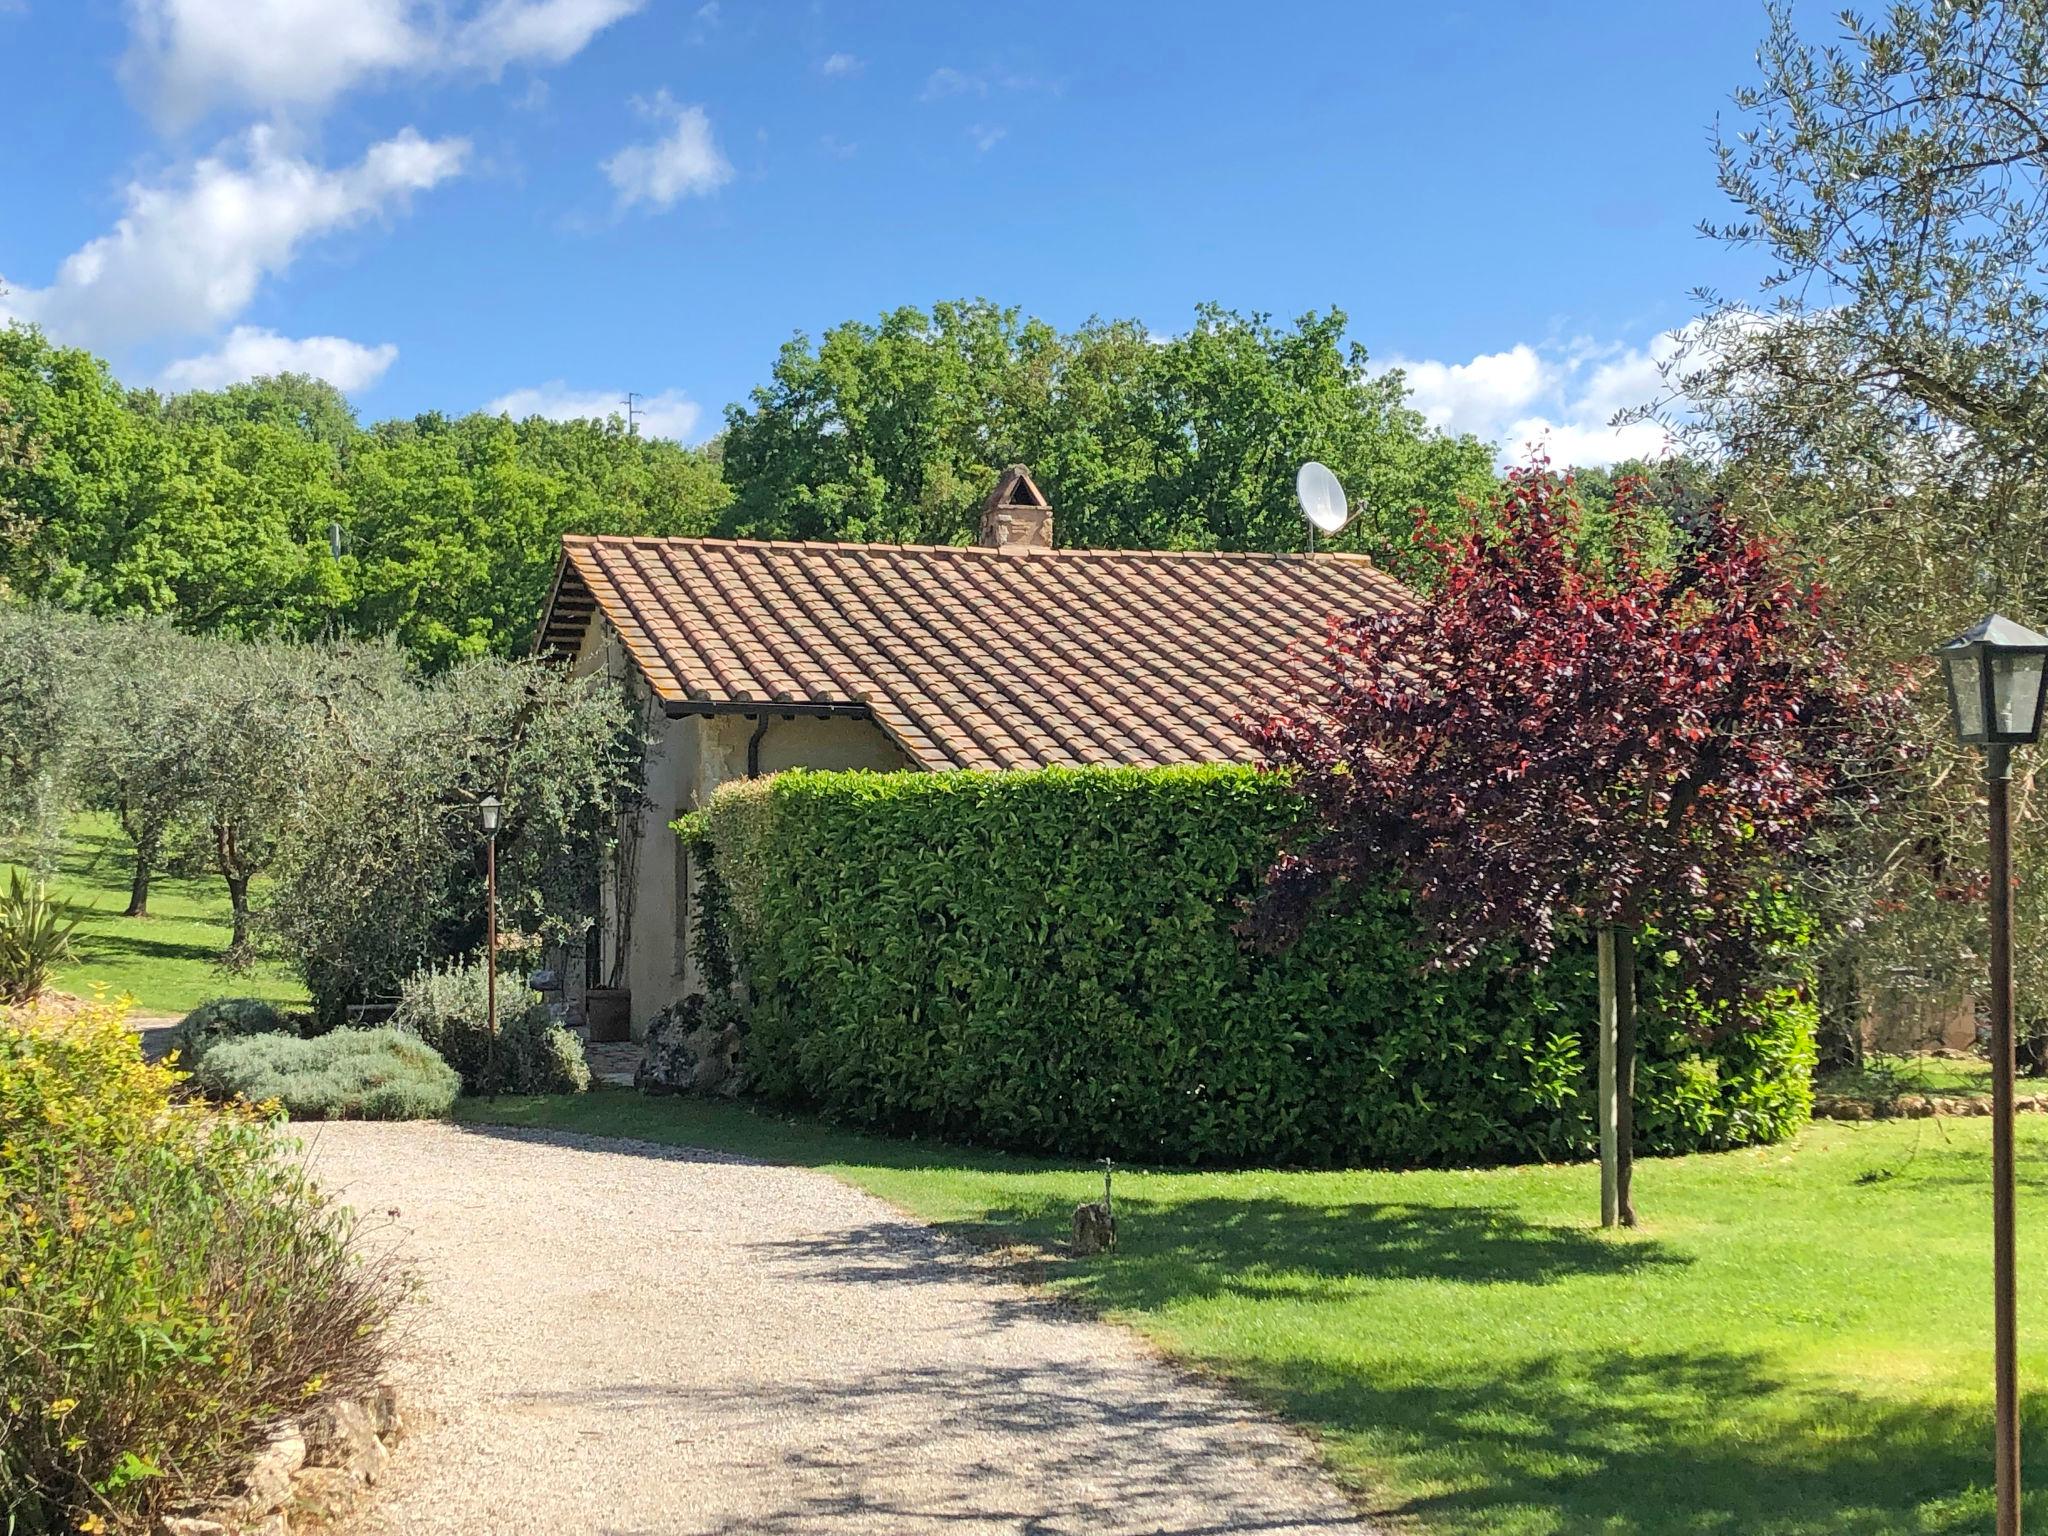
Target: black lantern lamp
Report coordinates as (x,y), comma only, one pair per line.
(1995,671)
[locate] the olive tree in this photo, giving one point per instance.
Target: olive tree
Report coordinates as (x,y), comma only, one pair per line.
(383,871)
(137,689)
(1883,402)
(41,725)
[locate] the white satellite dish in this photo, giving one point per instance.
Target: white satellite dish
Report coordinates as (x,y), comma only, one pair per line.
(1322,498)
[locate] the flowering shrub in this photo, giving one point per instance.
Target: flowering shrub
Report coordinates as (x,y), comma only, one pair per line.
(169,1279)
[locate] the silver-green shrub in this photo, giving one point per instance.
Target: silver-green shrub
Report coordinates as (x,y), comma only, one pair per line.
(351,1074)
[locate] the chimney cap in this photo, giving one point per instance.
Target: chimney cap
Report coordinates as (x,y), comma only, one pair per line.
(1016,512)
(1016,488)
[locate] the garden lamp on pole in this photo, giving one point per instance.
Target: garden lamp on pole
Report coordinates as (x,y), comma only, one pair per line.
(1995,672)
(488,809)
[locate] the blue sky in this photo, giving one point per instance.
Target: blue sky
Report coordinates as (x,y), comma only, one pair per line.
(539,204)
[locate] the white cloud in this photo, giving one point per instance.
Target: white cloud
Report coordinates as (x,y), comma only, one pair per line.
(251,352)
(1470,397)
(947,81)
(840,64)
(685,162)
(191,252)
(533,31)
(987,136)
(668,414)
(1558,399)
(188,57)
(1588,440)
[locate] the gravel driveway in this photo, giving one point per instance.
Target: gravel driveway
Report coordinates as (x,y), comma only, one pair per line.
(622,1338)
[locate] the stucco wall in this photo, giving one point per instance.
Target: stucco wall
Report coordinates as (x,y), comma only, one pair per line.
(687,759)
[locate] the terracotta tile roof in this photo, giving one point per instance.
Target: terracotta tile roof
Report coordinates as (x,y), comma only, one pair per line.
(970,657)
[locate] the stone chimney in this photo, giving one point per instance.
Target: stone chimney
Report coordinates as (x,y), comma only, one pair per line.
(1016,512)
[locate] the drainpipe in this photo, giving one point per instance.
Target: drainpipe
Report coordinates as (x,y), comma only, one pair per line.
(754,748)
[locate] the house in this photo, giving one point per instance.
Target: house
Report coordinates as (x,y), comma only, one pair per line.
(753,657)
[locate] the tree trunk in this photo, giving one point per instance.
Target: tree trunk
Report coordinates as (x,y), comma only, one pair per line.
(138,886)
(238,898)
(1616,1110)
(1840,1035)
(1606,1111)
(237,877)
(1625,1073)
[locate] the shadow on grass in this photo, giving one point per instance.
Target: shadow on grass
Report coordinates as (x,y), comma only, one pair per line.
(1266,1249)
(93,946)
(1661,1443)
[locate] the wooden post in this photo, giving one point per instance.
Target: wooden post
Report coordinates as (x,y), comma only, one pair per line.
(1610,1100)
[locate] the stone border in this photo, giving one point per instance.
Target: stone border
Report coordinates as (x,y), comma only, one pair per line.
(1916,1106)
(309,1472)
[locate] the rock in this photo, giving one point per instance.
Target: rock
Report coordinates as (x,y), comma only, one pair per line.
(267,1482)
(272,1524)
(325,1493)
(1916,1109)
(382,1407)
(1980,1106)
(338,1434)
(693,1047)
(370,1465)
(189,1525)
(1851,1109)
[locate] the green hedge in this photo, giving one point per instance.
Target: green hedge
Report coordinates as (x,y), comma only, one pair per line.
(1045,961)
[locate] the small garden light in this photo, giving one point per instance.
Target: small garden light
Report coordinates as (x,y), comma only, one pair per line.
(489,808)
(1995,672)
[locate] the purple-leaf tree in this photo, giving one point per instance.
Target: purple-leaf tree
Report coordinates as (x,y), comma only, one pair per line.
(1556,742)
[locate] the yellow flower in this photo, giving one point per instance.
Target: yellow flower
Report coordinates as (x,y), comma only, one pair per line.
(61,1406)
(92,1523)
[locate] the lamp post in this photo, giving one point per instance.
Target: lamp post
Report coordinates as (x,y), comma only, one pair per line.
(1995,672)
(488,809)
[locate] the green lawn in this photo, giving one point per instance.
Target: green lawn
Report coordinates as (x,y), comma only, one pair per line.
(166,961)
(1797,1342)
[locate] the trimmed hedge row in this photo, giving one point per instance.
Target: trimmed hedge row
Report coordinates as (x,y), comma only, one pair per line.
(1045,961)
